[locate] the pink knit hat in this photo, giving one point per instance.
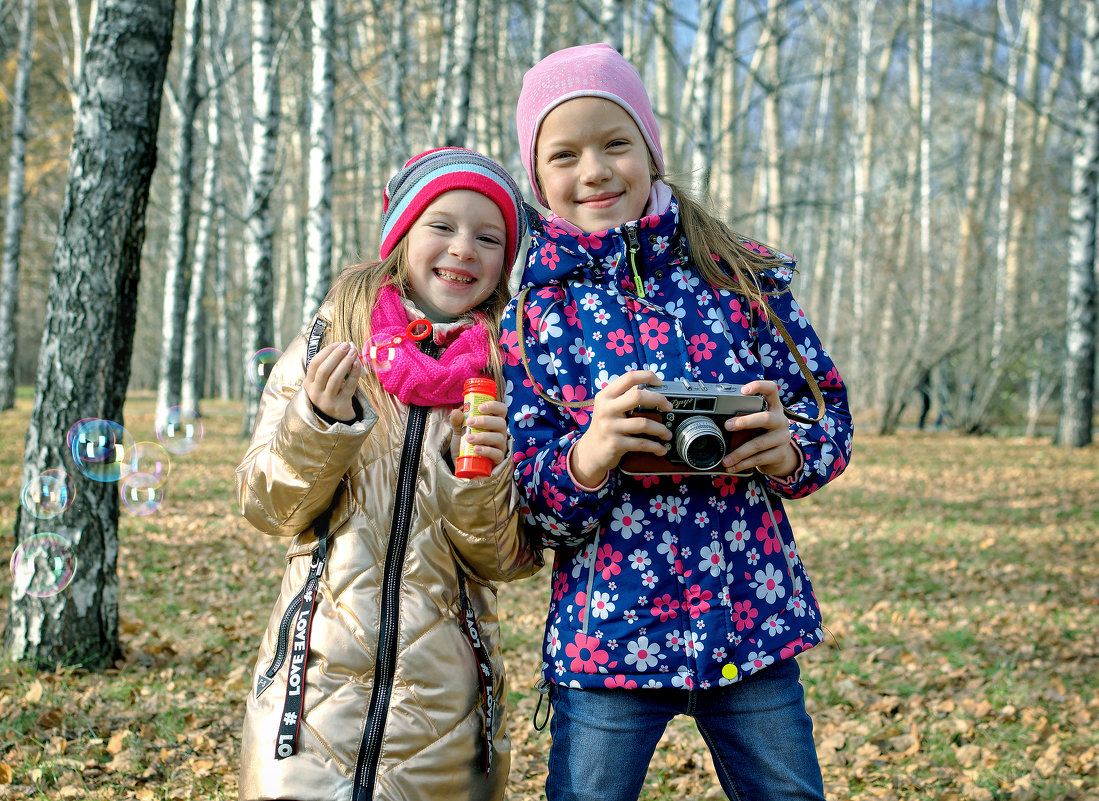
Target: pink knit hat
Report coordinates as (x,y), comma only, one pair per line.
(594,70)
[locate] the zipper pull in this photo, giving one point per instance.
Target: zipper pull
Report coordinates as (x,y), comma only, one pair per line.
(633,243)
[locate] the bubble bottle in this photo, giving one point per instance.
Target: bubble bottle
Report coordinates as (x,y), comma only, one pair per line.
(475,392)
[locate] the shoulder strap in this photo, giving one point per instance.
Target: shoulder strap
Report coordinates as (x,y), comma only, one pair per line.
(810,379)
(316,335)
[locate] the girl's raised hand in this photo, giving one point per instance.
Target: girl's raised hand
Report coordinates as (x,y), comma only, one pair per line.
(332,379)
(613,431)
(490,439)
(771,452)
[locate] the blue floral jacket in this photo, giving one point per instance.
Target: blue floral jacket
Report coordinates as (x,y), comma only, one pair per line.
(671,581)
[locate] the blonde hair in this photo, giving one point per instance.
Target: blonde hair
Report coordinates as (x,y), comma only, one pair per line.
(354,294)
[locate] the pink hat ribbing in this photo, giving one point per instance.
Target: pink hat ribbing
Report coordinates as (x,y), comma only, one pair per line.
(594,70)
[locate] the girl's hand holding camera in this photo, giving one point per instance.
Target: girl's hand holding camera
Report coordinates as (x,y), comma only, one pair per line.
(772,452)
(614,431)
(490,439)
(332,379)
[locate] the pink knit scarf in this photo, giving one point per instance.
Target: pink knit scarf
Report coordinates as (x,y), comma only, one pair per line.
(413,376)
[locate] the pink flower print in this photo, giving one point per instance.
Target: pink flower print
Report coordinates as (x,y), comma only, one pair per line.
(744,615)
(832,379)
(585,654)
(737,315)
(700,347)
(553,496)
(550,257)
(620,682)
(654,333)
(725,485)
(570,314)
(560,586)
(607,562)
(620,342)
(755,247)
(553,231)
(697,602)
(590,241)
(792,647)
(509,347)
(664,607)
(766,533)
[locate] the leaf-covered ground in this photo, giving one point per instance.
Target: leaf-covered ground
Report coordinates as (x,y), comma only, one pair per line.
(959,579)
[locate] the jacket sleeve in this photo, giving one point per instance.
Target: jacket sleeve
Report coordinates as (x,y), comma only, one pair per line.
(481,519)
(560,513)
(295,460)
(825,444)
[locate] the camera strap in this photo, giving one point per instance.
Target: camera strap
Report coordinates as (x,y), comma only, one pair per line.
(810,379)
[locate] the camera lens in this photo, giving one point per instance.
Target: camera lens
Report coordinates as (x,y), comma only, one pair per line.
(699,442)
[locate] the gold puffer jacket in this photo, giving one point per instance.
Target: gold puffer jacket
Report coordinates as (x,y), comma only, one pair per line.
(432,741)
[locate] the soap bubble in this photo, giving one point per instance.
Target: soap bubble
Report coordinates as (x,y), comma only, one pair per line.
(48,494)
(150,458)
(42,565)
(379,353)
(260,366)
(100,448)
(182,430)
(141,493)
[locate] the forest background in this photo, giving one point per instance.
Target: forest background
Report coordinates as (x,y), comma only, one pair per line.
(932,166)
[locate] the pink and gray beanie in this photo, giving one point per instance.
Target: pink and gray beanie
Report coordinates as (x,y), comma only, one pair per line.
(594,70)
(425,177)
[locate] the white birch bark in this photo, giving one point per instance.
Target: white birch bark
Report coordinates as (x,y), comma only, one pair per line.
(14,211)
(698,107)
(612,23)
(259,221)
(461,71)
(923,325)
(318,249)
(1078,383)
(87,341)
(174,312)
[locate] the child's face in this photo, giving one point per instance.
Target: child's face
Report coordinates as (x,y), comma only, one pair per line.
(593,164)
(455,254)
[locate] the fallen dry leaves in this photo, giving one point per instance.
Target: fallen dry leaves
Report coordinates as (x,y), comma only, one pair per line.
(959,579)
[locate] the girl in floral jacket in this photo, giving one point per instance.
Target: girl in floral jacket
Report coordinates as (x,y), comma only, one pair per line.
(673,591)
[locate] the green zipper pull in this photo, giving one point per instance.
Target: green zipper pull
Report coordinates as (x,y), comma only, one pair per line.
(634,245)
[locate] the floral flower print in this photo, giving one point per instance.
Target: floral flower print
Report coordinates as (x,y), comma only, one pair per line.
(744,615)
(757,660)
(673,640)
(553,641)
(648,579)
(585,653)
(809,353)
(560,586)
(620,342)
(627,520)
(774,625)
(580,351)
(686,279)
(601,605)
(712,559)
(602,316)
(590,241)
(676,509)
(639,559)
(525,417)
(590,302)
(552,362)
(606,563)
(554,497)
(654,333)
(683,679)
(664,607)
(768,584)
(766,533)
(700,347)
(697,601)
(693,643)
(551,259)
(619,682)
(642,653)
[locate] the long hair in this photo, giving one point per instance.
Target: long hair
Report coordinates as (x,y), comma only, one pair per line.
(353,296)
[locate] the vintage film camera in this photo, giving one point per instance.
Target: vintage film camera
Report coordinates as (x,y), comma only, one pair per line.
(697,422)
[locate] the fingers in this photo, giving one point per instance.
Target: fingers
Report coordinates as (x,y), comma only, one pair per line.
(332,379)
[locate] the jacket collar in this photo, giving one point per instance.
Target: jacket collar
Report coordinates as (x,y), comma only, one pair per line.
(558,256)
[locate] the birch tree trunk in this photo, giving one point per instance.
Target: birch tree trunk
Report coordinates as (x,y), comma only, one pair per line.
(259,222)
(174,319)
(1078,383)
(14,212)
(698,106)
(612,23)
(461,72)
(923,324)
(770,179)
(318,249)
(84,359)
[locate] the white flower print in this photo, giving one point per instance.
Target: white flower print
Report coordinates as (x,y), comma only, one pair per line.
(525,417)
(715,320)
(693,643)
(683,679)
(552,362)
(601,605)
(582,564)
(642,653)
(754,494)
(797,316)
(768,584)
(589,301)
(630,615)
(553,642)
(602,379)
(668,546)
(767,354)
(549,327)
(747,358)
(580,351)
(676,509)
(676,309)
(685,279)
(757,660)
(737,536)
(732,361)
(648,578)
(711,559)
(626,520)
(810,355)
(701,519)
(639,559)
(674,640)
(602,316)
(657,507)
(774,625)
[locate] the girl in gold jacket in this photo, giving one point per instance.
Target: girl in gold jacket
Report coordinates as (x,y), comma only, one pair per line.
(380,675)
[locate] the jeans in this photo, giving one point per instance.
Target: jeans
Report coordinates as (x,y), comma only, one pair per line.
(757,730)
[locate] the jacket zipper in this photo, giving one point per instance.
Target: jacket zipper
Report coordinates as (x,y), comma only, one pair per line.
(633,244)
(366,772)
(282,644)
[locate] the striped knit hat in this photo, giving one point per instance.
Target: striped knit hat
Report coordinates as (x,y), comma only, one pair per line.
(432,173)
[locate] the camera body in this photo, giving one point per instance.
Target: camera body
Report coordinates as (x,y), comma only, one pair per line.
(697,422)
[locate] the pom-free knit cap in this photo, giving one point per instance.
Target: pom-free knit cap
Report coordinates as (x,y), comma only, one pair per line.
(594,70)
(425,177)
